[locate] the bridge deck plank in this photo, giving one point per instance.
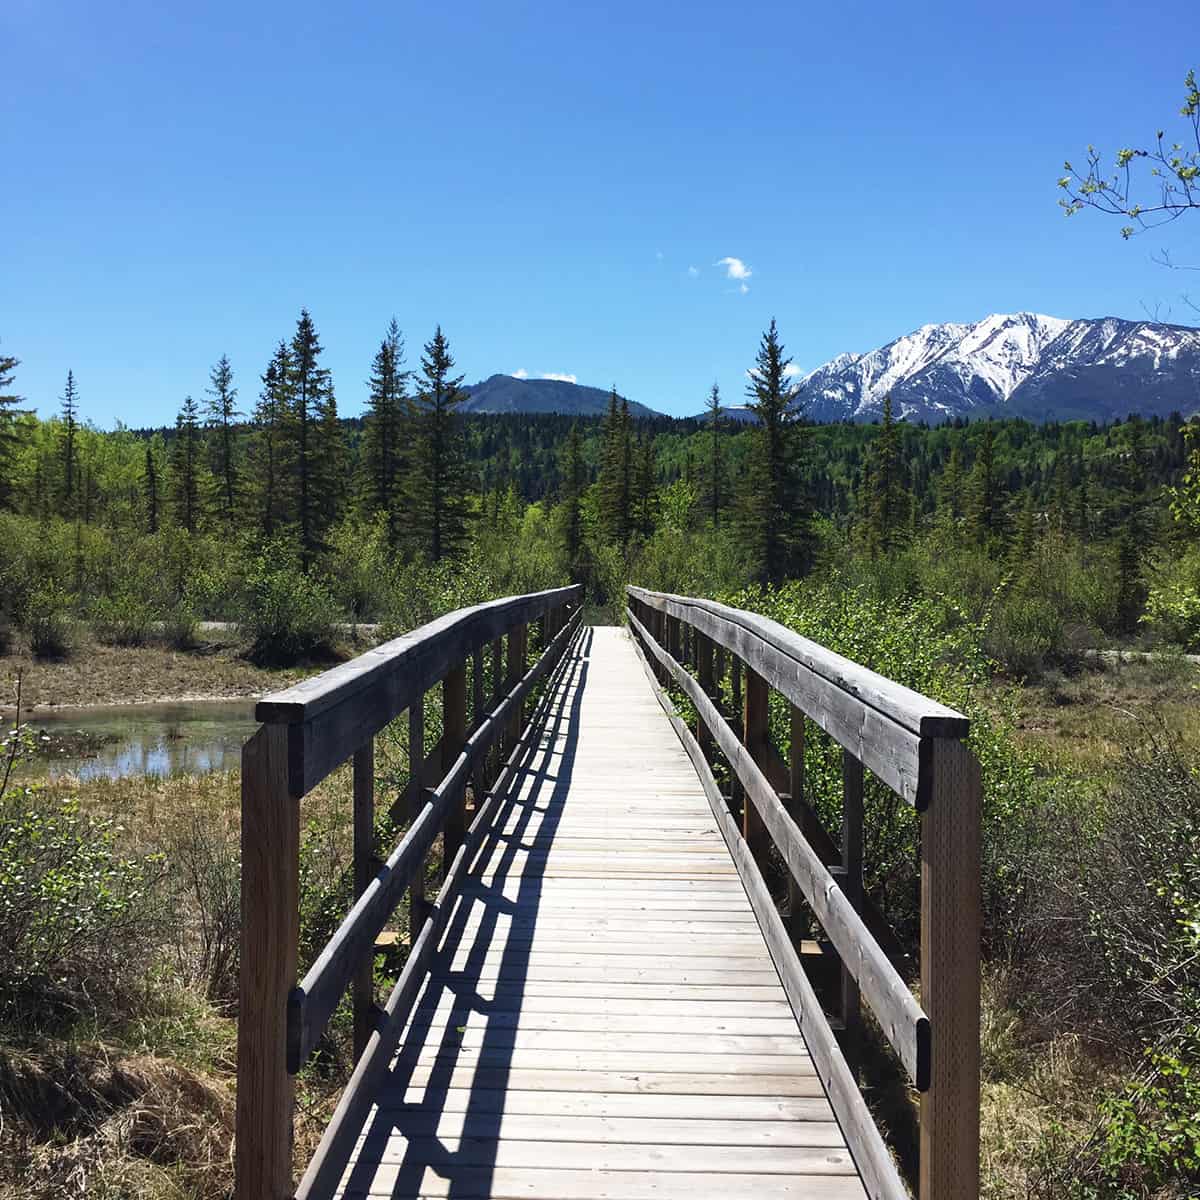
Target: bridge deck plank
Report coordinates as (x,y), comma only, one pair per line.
(603,1018)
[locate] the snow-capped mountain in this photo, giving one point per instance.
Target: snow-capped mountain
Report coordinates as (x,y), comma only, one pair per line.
(1022,364)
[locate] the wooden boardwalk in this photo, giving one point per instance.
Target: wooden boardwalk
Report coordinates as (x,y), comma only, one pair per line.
(603,1018)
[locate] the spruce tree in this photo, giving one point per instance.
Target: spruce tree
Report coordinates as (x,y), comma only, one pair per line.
(311,398)
(715,496)
(9,428)
(574,478)
(616,472)
(185,466)
(439,477)
(950,484)
(384,430)
(68,449)
(269,459)
(773,512)
(889,506)
(222,414)
(984,511)
(150,490)
(645,473)
(1131,590)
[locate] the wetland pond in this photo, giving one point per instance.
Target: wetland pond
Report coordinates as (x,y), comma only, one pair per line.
(111,742)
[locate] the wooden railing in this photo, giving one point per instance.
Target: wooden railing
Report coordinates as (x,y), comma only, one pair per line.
(916,747)
(307,731)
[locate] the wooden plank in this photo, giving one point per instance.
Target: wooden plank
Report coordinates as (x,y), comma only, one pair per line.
(738,1025)
(851,883)
(454,734)
(364,868)
(522,1183)
(873,1160)
(899,1015)
(270,928)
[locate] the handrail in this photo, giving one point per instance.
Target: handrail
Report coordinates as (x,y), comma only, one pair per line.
(915,746)
(307,731)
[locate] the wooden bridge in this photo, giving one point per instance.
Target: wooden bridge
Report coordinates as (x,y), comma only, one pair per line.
(606,999)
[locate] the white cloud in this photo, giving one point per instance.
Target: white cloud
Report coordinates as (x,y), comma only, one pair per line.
(560,378)
(745,287)
(693,272)
(734,269)
(791,370)
(520,373)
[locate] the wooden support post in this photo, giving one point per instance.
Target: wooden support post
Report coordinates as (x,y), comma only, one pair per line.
(516,669)
(478,700)
(851,881)
(270,930)
(418,906)
(755,736)
(719,674)
(737,795)
(364,869)
(950,924)
(454,734)
(497,669)
(704,666)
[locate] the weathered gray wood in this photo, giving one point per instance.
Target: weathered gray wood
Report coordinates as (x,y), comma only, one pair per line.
(887,727)
(364,868)
(270,927)
(454,735)
(851,883)
(417,799)
(327,1163)
(951,909)
(756,738)
(349,703)
(900,1017)
(871,1155)
(311,1003)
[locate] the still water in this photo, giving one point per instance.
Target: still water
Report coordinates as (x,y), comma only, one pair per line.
(142,739)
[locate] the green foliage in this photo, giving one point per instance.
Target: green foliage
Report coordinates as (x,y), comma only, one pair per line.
(49,622)
(289,616)
(75,912)
(122,619)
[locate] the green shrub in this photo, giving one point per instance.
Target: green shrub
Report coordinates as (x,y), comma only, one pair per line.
(121,620)
(75,913)
(49,623)
(289,616)
(180,625)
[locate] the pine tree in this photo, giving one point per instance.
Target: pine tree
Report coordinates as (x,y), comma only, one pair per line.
(984,512)
(644,480)
(439,477)
(950,484)
(185,466)
(715,494)
(269,459)
(616,472)
(311,394)
(1026,535)
(384,429)
(222,417)
(68,435)
(1131,590)
(9,428)
(150,490)
(773,512)
(889,506)
(574,478)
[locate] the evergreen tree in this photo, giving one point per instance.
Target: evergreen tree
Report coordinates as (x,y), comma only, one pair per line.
(889,507)
(644,479)
(439,476)
(773,512)
(384,429)
(616,472)
(984,511)
(311,395)
(715,490)
(269,459)
(68,448)
(574,479)
(222,417)
(9,429)
(150,490)
(950,484)
(1026,537)
(185,465)
(1131,590)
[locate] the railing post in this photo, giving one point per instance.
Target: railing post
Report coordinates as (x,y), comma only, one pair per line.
(416,801)
(479,775)
(454,734)
(270,930)
(704,665)
(755,737)
(364,869)
(950,924)
(737,795)
(798,810)
(850,879)
(517,643)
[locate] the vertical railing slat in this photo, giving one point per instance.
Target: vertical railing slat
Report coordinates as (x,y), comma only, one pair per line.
(851,881)
(364,869)
(454,735)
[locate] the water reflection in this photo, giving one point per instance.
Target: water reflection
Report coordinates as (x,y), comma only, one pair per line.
(144,739)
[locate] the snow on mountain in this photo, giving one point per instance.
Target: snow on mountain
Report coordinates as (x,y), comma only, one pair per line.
(1023,363)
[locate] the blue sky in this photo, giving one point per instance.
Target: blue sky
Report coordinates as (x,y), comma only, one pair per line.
(539,178)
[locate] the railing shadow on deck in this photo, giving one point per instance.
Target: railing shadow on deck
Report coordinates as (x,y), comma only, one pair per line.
(469,1169)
